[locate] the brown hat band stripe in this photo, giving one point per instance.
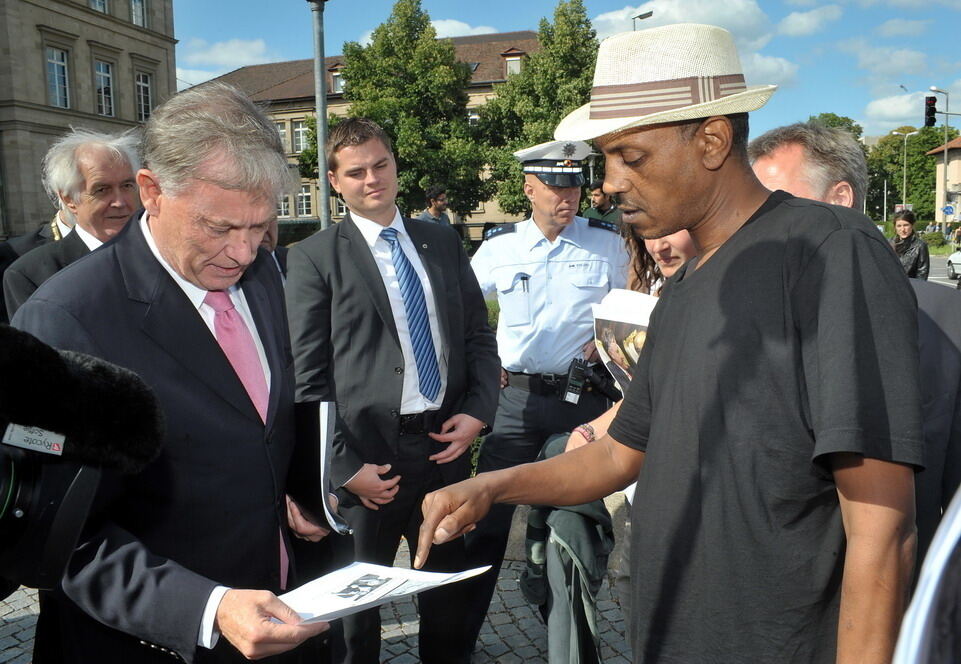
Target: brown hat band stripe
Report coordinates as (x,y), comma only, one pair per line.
(633,99)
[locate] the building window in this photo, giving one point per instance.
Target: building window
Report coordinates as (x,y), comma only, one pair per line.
(103,85)
(300,135)
(99,5)
(138,12)
(473,117)
(304,208)
(513,66)
(58,81)
(143,95)
(282,130)
(283,206)
(336,83)
(340,210)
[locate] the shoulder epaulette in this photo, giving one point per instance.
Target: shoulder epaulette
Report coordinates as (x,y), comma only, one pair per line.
(606,225)
(500,230)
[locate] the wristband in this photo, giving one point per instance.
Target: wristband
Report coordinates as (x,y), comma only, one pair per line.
(587,431)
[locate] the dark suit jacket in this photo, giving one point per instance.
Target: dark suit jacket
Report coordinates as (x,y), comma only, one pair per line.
(346,347)
(281,255)
(16,247)
(36,266)
(210,510)
(939,336)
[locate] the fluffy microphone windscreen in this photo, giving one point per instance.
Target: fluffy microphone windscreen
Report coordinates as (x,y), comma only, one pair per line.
(109,416)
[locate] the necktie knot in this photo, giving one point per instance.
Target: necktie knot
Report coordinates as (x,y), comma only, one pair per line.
(219,301)
(389,234)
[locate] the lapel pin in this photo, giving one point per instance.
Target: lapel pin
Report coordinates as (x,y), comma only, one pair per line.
(423,246)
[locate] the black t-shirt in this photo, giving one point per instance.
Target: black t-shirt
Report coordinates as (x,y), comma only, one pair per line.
(797,339)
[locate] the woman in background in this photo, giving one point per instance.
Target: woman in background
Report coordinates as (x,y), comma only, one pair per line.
(910,248)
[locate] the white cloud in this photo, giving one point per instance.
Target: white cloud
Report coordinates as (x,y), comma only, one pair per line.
(745,19)
(911,4)
(887,113)
(230,54)
(767,70)
(448,27)
(801,24)
(902,27)
(883,60)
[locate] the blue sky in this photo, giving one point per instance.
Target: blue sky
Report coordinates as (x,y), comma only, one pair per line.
(872,60)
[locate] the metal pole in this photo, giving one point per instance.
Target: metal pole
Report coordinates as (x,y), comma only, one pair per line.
(944,199)
(320,104)
(904,173)
(947,116)
(885,201)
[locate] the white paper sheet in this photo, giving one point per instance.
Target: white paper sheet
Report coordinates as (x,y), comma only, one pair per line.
(362,586)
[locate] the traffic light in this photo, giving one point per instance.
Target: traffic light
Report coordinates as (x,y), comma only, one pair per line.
(930,108)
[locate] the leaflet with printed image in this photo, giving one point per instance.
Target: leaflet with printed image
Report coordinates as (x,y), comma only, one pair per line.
(360,586)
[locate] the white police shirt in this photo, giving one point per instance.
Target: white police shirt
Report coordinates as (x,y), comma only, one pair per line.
(545,289)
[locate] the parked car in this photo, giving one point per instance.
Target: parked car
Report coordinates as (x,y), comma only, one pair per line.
(954,265)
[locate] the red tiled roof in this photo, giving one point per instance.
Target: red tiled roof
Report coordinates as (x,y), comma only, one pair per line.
(953,144)
(294,79)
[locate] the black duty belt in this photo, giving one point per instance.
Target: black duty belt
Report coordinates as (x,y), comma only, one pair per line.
(546,384)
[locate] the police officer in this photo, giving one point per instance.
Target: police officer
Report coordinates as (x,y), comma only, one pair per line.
(545,272)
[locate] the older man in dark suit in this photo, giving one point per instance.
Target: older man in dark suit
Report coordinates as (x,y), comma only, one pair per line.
(91,177)
(184,297)
(387,320)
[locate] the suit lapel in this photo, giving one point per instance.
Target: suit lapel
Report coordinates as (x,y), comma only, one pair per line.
(368,274)
(71,248)
(430,257)
(174,324)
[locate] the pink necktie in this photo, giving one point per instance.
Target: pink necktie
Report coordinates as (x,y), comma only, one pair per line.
(238,345)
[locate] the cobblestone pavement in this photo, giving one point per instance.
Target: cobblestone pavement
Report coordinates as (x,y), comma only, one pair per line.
(513,632)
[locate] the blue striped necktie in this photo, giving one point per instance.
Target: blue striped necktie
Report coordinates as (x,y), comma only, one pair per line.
(418,324)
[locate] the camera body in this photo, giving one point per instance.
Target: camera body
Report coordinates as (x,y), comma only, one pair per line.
(103,418)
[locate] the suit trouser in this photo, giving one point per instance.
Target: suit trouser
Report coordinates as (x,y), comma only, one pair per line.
(377,534)
(523,423)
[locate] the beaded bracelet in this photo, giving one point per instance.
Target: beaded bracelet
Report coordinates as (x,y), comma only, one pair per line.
(587,431)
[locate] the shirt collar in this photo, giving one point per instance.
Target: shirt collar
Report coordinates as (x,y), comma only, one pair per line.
(371,229)
(64,229)
(534,236)
(194,293)
(89,239)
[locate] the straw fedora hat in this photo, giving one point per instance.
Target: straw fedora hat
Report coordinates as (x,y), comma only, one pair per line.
(666,74)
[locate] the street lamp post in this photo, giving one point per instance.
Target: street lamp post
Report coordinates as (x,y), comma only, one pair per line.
(947,116)
(640,17)
(320,103)
(904,166)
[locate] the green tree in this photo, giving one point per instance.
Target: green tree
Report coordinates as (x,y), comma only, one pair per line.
(411,84)
(839,121)
(552,82)
(885,164)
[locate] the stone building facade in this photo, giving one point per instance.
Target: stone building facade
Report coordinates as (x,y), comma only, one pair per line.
(287,88)
(94,64)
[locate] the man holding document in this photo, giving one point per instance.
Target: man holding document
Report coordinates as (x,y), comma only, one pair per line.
(387,320)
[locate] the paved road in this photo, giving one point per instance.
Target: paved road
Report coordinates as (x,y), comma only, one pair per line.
(939,271)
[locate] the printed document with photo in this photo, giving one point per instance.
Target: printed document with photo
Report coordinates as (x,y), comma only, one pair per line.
(620,329)
(360,586)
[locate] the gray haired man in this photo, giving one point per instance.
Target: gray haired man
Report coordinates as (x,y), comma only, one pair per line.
(827,164)
(194,547)
(89,176)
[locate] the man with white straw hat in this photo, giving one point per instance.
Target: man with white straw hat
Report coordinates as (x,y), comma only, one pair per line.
(777,430)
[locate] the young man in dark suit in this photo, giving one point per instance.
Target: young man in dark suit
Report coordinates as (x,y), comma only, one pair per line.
(387,320)
(192,549)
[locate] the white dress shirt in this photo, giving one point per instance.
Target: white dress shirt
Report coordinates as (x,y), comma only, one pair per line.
(208,636)
(88,239)
(412,401)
